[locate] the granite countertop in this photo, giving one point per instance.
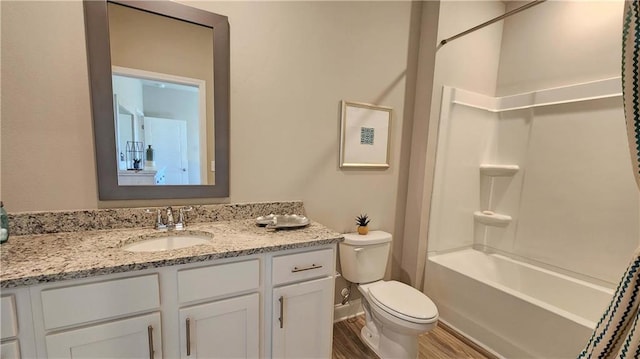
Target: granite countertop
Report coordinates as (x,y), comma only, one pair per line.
(41,258)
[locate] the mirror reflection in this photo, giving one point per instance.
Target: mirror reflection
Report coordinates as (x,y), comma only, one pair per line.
(162,71)
(162,51)
(158,140)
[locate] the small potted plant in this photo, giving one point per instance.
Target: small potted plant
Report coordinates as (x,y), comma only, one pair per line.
(362,221)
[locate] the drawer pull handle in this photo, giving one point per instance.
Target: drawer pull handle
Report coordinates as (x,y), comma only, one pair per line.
(150,334)
(188,337)
(313,266)
(281,319)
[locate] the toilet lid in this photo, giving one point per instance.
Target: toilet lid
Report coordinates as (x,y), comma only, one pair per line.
(373,237)
(403,301)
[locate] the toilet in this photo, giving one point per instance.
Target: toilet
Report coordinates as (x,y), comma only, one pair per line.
(395,313)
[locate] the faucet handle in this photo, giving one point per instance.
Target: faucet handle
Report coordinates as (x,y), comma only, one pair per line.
(181,217)
(159,225)
(170,220)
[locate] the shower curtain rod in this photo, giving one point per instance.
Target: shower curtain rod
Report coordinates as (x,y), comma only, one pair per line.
(506,14)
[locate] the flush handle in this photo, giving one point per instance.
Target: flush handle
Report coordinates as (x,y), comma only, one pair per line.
(313,266)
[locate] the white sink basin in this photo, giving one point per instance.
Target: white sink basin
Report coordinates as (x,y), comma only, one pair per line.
(166,243)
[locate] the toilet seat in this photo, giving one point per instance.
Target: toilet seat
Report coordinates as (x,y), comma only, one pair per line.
(403,302)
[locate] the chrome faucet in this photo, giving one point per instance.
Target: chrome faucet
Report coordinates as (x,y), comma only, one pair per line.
(170,222)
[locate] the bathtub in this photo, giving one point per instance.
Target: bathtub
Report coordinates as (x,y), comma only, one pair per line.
(514,309)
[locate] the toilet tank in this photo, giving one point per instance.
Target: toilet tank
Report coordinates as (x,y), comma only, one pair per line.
(363,258)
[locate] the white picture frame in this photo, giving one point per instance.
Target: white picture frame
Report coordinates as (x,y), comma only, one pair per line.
(365,135)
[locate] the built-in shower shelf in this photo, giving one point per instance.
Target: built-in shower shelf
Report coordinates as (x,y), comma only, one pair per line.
(491,218)
(498,170)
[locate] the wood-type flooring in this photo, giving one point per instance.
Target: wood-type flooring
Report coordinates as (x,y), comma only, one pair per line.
(439,343)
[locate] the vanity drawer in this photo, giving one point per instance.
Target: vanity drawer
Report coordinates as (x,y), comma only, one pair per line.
(302,266)
(218,280)
(96,301)
(9,326)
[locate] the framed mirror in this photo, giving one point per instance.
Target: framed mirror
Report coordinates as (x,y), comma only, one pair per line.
(159,80)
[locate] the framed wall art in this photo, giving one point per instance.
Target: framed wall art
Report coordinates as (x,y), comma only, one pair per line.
(365,135)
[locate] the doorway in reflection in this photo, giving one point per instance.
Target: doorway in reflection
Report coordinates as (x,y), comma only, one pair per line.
(165,118)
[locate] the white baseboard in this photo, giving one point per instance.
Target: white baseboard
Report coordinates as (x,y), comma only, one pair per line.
(344,311)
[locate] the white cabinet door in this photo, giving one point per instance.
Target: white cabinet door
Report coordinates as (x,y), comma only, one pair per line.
(302,319)
(137,337)
(227,328)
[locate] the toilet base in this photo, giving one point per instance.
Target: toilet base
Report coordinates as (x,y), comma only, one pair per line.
(390,345)
(369,339)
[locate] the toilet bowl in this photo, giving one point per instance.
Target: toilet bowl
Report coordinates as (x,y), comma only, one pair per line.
(395,313)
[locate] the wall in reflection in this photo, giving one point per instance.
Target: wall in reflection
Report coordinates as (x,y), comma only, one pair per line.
(182,145)
(162,117)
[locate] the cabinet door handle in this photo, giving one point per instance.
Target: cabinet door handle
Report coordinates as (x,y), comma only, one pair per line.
(188,337)
(313,266)
(281,319)
(150,334)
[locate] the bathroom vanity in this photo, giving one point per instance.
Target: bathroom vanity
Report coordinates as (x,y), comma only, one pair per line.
(250,292)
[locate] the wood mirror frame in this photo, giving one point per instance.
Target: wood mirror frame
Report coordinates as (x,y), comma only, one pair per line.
(102,108)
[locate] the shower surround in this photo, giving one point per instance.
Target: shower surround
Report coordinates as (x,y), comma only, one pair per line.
(531,190)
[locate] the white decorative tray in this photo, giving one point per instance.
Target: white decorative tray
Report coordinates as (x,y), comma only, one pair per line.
(282,221)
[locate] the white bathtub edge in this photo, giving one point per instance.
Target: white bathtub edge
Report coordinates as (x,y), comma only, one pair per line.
(471,338)
(554,309)
(481,320)
(463,325)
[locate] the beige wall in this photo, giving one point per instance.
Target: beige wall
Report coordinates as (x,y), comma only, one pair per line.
(47,139)
(291,64)
(409,253)
(558,43)
(286,85)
